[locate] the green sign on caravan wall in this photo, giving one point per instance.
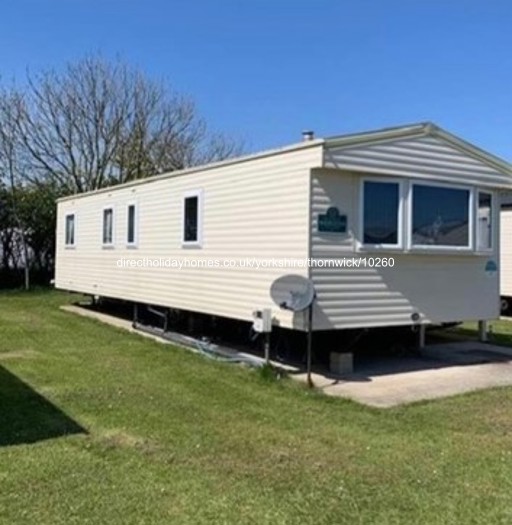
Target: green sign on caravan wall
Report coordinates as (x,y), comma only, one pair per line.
(332,222)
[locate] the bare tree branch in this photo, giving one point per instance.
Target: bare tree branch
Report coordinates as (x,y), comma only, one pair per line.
(99,123)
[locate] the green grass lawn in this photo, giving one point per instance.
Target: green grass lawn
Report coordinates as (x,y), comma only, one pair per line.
(101,426)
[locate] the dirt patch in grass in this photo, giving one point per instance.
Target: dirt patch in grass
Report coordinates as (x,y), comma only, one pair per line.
(19,354)
(118,439)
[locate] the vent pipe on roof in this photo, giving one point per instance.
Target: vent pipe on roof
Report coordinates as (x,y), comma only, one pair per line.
(308,135)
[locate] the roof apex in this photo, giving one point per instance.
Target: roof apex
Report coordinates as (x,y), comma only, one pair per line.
(420,129)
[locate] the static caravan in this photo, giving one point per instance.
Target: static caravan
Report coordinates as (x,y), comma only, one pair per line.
(395,227)
(506,254)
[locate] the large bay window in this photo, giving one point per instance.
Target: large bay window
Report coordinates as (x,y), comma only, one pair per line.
(440,216)
(381,213)
(419,216)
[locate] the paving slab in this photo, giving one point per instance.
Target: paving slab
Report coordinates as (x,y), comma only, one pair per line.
(441,370)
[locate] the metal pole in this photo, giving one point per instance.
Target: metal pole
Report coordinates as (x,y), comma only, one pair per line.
(309,346)
(421,336)
(482,331)
(166,320)
(267,348)
(135,315)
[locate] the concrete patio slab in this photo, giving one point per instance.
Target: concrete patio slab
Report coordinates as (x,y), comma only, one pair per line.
(441,370)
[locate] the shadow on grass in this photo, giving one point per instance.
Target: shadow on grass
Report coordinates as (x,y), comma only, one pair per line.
(27,417)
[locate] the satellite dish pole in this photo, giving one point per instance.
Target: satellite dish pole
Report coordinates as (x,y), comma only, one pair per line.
(296,293)
(309,347)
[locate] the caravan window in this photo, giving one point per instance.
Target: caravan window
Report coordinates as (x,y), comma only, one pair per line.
(108,226)
(131,227)
(440,216)
(70,230)
(381,213)
(192,218)
(484,221)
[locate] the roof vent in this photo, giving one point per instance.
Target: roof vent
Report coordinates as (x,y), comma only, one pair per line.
(308,135)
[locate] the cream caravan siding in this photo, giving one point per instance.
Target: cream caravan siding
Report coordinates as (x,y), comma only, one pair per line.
(255,209)
(420,157)
(439,287)
(506,252)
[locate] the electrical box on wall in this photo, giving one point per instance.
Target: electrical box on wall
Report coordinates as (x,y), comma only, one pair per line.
(262,320)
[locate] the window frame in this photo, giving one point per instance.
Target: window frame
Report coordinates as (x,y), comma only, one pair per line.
(110,244)
(490,249)
(198,243)
(66,244)
(399,246)
(441,248)
(135,242)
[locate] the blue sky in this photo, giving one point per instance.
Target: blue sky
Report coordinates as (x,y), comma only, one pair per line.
(264,70)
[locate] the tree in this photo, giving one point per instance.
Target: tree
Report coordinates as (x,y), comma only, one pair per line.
(37,213)
(98,123)
(5,227)
(11,171)
(93,124)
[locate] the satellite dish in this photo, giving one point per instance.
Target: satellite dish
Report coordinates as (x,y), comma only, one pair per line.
(292,292)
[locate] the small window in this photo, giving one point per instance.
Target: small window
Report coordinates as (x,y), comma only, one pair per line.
(108,226)
(70,230)
(192,218)
(440,216)
(131,225)
(381,213)
(484,223)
